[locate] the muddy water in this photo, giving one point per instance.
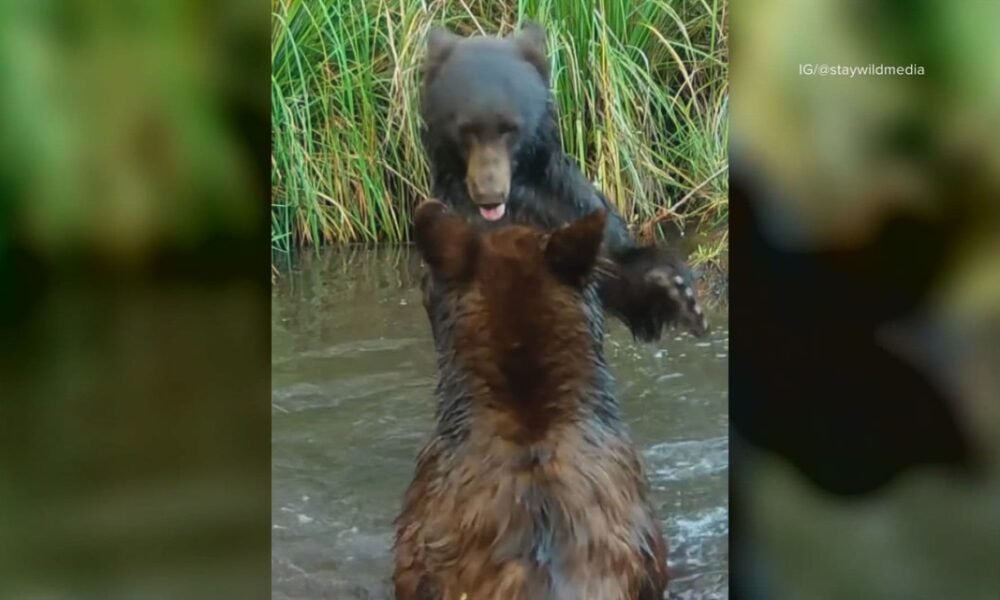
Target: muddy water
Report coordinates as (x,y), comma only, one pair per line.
(353,374)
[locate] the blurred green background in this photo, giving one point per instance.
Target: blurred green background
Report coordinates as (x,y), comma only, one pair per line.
(119,124)
(134,265)
(641,89)
(843,154)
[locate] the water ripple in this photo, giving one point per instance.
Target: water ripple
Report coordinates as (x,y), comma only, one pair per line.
(688,459)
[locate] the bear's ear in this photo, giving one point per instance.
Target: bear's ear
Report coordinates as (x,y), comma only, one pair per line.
(572,250)
(448,244)
(440,43)
(530,41)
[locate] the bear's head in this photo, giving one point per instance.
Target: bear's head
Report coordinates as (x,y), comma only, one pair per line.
(486,107)
(519,300)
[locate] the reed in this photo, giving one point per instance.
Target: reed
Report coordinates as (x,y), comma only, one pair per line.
(641,86)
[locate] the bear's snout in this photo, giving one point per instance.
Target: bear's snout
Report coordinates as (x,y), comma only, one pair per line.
(488,174)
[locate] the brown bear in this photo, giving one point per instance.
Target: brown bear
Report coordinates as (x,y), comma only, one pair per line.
(530,487)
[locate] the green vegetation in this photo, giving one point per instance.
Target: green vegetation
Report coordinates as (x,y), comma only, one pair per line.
(641,87)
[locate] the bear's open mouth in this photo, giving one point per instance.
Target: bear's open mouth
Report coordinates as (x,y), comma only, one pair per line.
(493,212)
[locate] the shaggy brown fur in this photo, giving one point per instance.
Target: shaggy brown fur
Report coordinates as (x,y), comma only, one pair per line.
(531,488)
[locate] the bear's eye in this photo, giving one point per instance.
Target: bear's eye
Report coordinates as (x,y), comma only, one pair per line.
(508,128)
(467,130)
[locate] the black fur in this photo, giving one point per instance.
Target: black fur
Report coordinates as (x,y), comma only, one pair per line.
(647,288)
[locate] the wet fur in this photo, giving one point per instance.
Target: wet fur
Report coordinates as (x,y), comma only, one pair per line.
(547,189)
(530,487)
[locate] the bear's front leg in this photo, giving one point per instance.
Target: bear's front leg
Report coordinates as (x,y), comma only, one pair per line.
(649,290)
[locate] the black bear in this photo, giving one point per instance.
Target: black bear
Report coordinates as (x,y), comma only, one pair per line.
(492,138)
(530,487)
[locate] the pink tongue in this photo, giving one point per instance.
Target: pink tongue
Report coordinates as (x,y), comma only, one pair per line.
(493,214)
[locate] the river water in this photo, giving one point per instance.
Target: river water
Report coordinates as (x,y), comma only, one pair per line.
(352,382)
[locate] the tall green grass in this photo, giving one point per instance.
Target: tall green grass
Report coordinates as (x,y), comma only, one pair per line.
(641,88)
